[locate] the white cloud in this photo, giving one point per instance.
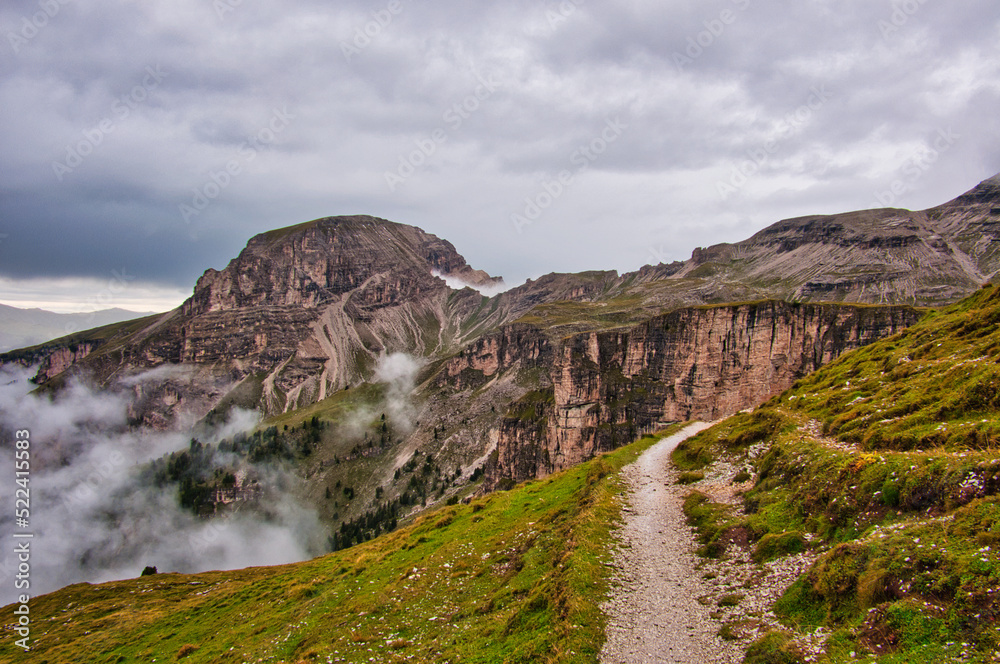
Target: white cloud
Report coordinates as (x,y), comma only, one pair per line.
(95,517)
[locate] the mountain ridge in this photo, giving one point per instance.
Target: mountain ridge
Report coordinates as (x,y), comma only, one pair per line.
(307,312)
(895,533)
(21,327)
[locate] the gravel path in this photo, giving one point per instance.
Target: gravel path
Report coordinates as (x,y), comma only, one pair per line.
(654,614)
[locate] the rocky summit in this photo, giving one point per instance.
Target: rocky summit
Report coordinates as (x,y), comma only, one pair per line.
(385,391)
(307,310)
(532,380)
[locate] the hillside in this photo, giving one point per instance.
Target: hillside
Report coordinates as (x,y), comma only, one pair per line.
(878,474)
(384,391)
(883,467)
(515,576)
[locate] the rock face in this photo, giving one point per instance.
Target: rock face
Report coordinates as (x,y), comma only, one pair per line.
(301,312)
(379,263)
(700,363)
(887,255)
(61,359)
(306,311)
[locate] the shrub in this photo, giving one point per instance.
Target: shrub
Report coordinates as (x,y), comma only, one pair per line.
(772,648)
(690,477)
(775,545)
(186,649)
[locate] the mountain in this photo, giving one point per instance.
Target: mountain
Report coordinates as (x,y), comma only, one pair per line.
(869,489)
(305,311)
(306,324)
(27,327)
(513,577)
(301,313)
(931,257)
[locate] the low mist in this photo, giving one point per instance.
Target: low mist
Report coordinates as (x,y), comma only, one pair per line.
(399,372)
(94,517)
(457,283)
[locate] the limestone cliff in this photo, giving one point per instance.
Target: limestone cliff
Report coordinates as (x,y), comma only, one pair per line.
(305,311)
(697,363)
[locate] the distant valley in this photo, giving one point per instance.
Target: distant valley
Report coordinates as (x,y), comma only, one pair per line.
(20,328)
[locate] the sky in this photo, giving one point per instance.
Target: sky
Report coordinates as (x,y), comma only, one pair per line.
(142,143)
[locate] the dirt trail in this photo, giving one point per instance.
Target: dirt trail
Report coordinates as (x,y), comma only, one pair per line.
(654,614)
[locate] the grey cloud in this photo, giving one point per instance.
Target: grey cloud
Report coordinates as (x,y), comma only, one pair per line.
(562,68)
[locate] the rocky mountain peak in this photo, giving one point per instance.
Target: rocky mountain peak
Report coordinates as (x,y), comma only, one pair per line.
(986,192)
(316,262)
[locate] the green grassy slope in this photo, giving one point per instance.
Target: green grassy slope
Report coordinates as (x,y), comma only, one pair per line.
(886,464)
(513,577)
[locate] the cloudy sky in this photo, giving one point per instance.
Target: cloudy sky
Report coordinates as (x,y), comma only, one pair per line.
(143,142)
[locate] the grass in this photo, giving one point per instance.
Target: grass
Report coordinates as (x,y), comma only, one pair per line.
(516,576)
(334,408)
(886,462)
(935,385)
(99,336)
(712,521)
(569,316)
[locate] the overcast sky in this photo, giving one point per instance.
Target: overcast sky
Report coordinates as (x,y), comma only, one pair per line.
(535,136)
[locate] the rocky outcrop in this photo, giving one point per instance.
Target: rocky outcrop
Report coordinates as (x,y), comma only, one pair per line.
(378,262)
(303,311)
(700,363)
(514,346)
(307,310)
(62,358)
(880,256)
